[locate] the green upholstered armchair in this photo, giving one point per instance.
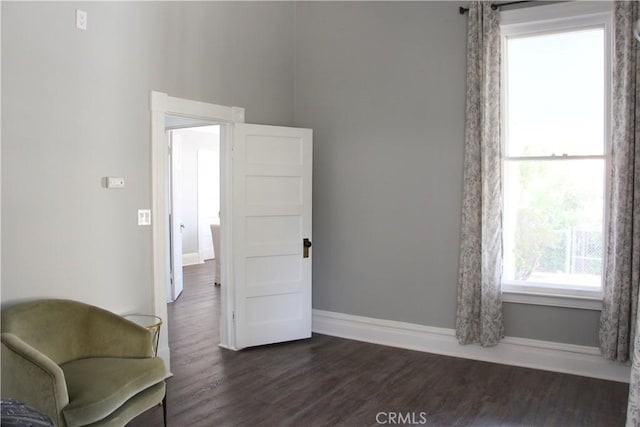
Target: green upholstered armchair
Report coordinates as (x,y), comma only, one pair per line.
(79,364)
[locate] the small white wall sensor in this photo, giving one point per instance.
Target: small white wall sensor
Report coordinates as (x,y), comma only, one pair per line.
(115,182)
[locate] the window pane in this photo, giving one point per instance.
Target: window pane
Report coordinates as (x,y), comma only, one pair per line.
(555,94)
(553,222)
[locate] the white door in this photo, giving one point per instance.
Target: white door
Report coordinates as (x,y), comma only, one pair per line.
(272,171)
(176,216)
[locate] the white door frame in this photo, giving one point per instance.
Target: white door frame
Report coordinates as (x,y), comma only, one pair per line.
(161,105)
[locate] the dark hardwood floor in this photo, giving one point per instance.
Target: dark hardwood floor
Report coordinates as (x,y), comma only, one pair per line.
(326,381)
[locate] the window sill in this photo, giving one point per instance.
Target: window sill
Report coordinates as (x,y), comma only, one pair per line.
(541,298)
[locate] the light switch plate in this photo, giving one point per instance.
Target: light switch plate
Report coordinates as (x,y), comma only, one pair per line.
(144,216)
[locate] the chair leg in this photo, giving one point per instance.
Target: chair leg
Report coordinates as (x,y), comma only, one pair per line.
(164,409)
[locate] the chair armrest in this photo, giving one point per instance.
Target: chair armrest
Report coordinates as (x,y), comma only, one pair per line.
(33,378)
(115,336)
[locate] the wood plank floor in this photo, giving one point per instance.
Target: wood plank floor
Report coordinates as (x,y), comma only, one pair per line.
(326,381)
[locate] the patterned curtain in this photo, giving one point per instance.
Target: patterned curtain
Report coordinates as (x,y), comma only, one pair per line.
(622,274)
(620,303)
(479,312)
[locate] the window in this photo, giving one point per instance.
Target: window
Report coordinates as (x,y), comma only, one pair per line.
(555,128)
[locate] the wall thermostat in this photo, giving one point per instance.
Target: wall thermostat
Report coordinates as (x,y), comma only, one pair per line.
(115,182)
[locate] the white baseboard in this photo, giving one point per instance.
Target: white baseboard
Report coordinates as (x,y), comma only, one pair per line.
(191,259)
(546,355)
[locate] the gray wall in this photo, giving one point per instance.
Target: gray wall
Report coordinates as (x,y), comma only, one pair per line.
(232,53)
(383,87)
(75,108)
(381,84)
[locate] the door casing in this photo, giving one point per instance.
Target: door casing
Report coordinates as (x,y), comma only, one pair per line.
(162,105)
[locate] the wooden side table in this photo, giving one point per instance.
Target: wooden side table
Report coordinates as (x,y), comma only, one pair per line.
(150,323)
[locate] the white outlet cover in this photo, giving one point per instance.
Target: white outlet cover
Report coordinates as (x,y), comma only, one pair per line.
(81,19)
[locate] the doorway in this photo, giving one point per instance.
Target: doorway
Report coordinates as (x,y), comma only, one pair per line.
(188,113)
(265,224)
(194,197)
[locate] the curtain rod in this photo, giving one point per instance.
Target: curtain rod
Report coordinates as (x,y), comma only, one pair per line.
(495,6)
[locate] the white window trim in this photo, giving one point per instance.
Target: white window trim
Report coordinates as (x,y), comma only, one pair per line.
(548,19)
(528,19)
(552,300)
(552,297)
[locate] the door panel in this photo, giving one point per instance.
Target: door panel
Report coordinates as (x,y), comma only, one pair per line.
(267,190)
(272,215)
(269,150)
(264,270)
(274,230)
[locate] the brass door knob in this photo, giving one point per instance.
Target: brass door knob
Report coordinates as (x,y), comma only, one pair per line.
(306,244)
